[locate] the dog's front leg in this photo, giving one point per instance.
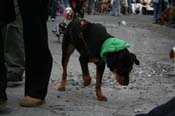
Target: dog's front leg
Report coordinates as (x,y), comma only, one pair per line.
(67,51)
(99,74)
(85,70)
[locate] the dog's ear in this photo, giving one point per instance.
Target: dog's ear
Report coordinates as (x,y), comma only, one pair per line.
(136,61)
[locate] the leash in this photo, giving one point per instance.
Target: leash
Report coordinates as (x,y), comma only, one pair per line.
(85,45)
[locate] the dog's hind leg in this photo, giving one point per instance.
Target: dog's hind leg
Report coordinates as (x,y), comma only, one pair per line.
(67,51)
(85,70)
(99,74)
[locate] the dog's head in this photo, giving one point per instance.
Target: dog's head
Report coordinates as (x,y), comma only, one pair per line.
(121,64)
(68,13)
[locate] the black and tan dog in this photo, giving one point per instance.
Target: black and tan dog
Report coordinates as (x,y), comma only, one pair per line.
(88,39)
(168,16)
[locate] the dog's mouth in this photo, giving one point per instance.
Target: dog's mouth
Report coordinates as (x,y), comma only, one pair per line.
(122,80)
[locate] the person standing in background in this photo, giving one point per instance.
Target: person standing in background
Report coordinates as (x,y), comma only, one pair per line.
(65,3)
(14,48)
(89,6)
(116,7)
(7,15)
(52,8)
(157,4)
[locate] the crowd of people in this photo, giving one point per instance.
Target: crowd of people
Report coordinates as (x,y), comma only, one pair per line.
(115,7)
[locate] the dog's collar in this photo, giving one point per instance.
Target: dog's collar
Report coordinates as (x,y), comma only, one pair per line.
(112,44)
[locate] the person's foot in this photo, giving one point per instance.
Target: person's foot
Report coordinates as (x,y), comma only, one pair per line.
(28,101)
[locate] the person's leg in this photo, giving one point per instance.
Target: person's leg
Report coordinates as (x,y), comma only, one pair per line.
(53,9)
(129,6)
(89,6)
(155,12)
(159,12)
(14,49)
(118,7)
(38,58)
(3,80)
(113,9)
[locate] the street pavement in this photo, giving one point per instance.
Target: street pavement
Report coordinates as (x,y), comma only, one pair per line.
(151,84)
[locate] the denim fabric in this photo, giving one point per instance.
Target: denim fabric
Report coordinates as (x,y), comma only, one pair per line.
(66,3)
(157,10)
(116,7)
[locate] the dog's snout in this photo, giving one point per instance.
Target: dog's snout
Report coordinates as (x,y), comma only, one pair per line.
(122,80)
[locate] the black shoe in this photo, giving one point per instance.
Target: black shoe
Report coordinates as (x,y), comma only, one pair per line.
(13,77)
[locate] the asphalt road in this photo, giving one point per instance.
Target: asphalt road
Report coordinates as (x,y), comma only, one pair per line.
(151,83)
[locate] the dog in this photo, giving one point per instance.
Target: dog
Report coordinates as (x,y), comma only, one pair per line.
(172,54)
(136,8)
(61,27)
(168,16)
(91,41)
(68,13)
(59,30)
(104,7)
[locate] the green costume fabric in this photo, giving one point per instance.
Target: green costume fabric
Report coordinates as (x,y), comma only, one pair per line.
(112,45)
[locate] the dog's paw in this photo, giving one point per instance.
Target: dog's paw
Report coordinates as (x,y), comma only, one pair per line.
(101,98)
(61,88)
(87,80)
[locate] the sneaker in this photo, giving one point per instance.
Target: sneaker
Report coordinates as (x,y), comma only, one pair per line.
(52,19)
(28,101)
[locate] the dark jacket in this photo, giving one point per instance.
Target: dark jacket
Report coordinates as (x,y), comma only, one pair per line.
(7,12)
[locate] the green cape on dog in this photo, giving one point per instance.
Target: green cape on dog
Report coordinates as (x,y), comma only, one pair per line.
(112,45)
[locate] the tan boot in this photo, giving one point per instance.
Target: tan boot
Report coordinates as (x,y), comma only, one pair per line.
(28,101)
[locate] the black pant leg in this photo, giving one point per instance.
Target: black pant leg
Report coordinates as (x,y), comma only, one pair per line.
(164,109)
(3,80)
(38,59)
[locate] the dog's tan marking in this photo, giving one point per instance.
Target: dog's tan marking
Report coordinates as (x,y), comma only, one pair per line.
(87,80)
(65,60)
(99,94)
